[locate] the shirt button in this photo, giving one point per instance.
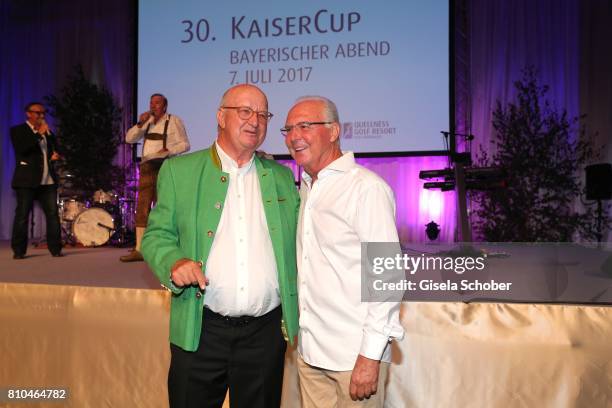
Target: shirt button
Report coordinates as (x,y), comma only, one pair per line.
(223,179)
(242,289)
(209,233)
(218,205)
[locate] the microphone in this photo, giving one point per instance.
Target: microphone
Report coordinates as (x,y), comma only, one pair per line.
(46,132)
(141,123)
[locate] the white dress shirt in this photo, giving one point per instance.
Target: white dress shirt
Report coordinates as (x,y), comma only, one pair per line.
(347,205)
(241,267)
(176,142)
(46,176)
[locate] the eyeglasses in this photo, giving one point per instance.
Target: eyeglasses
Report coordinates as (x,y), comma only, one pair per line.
(302,126)
(246,113)
(37,112)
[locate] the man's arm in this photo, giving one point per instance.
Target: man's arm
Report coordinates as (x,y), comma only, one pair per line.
(375,222)
(52,141)
(160,243)
(24,140)
(177,137)
(135,133)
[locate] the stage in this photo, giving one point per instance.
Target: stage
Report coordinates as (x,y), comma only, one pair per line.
(99,267)
(99,328)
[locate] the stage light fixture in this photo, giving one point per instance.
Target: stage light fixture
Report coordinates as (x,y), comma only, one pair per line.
(432,230)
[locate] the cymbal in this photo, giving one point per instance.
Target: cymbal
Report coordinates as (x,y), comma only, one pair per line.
(72,193)
(71,197)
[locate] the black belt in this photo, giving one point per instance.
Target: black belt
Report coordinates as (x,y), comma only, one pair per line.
(238,320)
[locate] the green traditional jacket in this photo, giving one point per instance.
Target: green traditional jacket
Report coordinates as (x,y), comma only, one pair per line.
(191,191)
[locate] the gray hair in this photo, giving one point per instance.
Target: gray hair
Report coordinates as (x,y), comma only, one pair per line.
(329,108)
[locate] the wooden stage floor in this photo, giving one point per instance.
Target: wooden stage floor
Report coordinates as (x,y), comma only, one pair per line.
(79,267)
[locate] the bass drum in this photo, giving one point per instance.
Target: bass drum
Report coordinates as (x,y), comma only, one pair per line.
(93,227)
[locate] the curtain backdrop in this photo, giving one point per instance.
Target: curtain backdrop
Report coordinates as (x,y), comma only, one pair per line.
(567,40)
(40,43)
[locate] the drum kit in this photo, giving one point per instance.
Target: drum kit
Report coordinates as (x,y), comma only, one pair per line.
(104,218)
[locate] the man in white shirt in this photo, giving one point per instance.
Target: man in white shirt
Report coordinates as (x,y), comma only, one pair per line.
(344,343)
(164,136)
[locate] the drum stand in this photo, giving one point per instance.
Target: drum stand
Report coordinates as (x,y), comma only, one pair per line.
(68,237)
(125,235)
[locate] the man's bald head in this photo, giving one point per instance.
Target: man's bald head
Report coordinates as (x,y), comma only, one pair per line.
(226,99)
(242,121)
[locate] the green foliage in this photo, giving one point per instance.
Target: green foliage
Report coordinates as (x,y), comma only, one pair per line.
(543,154)
(88,124)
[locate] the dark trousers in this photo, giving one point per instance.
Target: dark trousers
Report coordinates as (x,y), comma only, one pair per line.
(147,190)
(246,358)
(47,197)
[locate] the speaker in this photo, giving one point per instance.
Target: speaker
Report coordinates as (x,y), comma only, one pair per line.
(599,181)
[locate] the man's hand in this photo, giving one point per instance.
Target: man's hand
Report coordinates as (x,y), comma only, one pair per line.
(43,129)
(55,156)
(186,272)
(143,118)
(364,380)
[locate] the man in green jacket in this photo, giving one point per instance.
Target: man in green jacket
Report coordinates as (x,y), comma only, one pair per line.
(222,239)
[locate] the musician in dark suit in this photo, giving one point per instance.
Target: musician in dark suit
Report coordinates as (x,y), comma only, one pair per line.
(35,179)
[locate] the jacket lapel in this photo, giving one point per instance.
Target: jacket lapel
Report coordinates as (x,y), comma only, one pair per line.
(269,196)
(210,197)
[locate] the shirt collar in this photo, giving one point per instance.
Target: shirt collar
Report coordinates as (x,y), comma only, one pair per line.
(35,131)
(342,164)
(230,165)
(161,120)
